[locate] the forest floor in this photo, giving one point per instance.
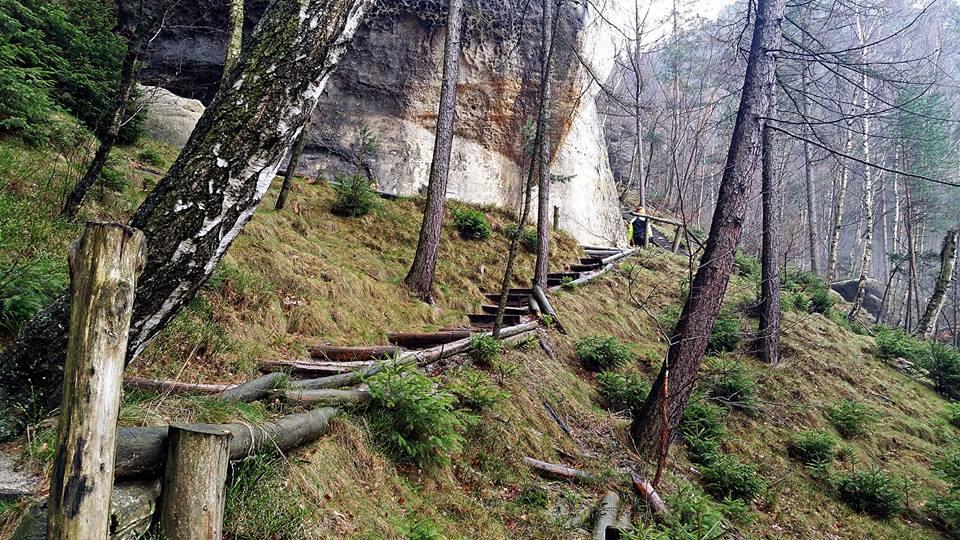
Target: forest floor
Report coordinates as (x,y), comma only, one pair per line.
(303,276)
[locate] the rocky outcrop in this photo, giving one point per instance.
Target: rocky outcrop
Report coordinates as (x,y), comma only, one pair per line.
(389,82)
(872,298)
(170,118)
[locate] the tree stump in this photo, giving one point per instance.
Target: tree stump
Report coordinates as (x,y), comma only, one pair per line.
(194,483)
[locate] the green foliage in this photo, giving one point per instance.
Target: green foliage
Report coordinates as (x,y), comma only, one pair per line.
(693,517)
(421,529)
(260,501)
(353,196)
(871,492)
(412,418)
(475,391)
(726,333)
(623,392)
(113,179)
(806,291)
(948,468)
(945,508)
(533,495)
(210,410)
(26,288)
(747,266)
(812,447)
(943,368)
(528,236)
(599,353)
(797,300)
(484,349)
(952,413)
(151,156)
(703,428)
(851,418)
(821,301)
(895,343)
(726,477)
(472,224)
(731,383)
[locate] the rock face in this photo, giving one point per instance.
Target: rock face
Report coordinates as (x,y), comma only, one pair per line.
(170,118)
(872,297)
(389,82)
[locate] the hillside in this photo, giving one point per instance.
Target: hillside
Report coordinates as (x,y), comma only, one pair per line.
(303,276)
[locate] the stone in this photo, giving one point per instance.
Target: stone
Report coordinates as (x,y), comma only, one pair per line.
(872,297)
(170,118)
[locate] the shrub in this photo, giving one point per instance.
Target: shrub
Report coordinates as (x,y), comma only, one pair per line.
(821,301)
(484,349)
(411,418)
(871,492)
(812,447)
(702,426)
(943,368)
(623,392)
(797,300)
(851,418)
(353,196)
(113,179)
(151,156)
(725,335)
(731,383)
(948,468)
(472,224)
(598,353)
(945,510)
(260,502)
(533,495)
(529,240)
(952,413)
(422,529)
(727,477)
(895,343)
(747,266)
(475,391)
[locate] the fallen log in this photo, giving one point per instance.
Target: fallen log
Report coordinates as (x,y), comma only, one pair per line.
(328,396)
(423,357)
(252,390)
(606,525)
(417,340)
(304,366)
(608,265)
(560,472)
(141,451)
(175,387)
(352,354)
(648,494)
(545,307)
(449,362)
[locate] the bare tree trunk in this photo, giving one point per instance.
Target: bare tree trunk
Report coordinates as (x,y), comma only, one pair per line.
(420,277)
(808,181)
(210,192)
(654,425)
(770,258)
(543,151)
(911,260)
(927,324)
(867,195)
(838,213)
(234,37)
(291,171)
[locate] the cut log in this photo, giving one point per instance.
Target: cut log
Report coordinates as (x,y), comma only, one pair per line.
(648,494)
(605,528)
(104,266)
(581,268)
(313,367)
(545,307)
(352,354)
(175,387)
(417,340)
(141,451)
(194,483)
(513,300)
(560,472)
(252,390)
(328,396)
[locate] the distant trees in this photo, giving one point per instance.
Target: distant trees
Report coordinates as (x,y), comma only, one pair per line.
(210,192)
(420,277)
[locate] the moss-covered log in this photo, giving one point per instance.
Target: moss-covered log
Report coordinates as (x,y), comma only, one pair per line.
(209,193)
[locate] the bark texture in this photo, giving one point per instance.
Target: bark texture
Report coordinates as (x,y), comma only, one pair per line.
(210,192)
(103,275)
(194,483)
(655,424)
(543,151)
(770,258)
(927,324)
(295,156)
(420,277)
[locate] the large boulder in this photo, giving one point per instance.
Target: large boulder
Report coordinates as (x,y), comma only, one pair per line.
(872,297)
(170,118)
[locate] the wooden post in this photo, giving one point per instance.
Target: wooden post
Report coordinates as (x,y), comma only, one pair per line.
(676,240)
(194,483)
(605,528)
(104,266)
(556,218)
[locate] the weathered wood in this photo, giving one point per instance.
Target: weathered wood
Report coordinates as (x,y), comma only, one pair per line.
(561,472)
(416,340)
(194,483)
(545,307)
(649,494)
(104,267)
(306,366)
(352,354)
(174,387)
(605,526)
(141,451)
(253,390)
(132,508)
(327,396)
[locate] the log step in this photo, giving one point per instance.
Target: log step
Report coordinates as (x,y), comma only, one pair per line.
(584,267)
(419,340)
(486,320)
(352,354)
(561,275)
(513,300)
(591,260)
(313,367)
(510,310)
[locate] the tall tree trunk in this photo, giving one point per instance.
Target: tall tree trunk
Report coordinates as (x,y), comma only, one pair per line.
(654,425)
(234,38)
(838,205)
(291,171)
(808,181)
(770,257)
(543,151)
(948,260)
(128,77)
(420,277)
(209,193)
(867,196)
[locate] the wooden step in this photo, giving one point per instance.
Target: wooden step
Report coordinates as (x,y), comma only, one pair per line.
(585,267)
(591,260)
(513,300)
(509,310)
(561,275)
(352,354)
(422,340)
(486,320)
